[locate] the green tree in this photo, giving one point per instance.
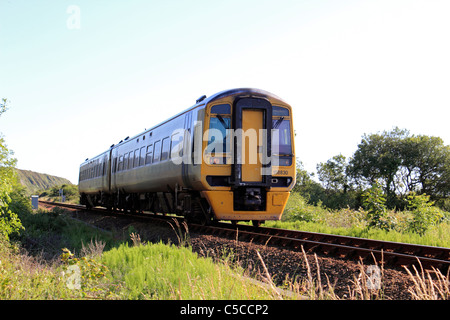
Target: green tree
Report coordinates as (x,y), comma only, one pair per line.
(426,163)
(402,163)
(378,159)
(9,222)
(332,174)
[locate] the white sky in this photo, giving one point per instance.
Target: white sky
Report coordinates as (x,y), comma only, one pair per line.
(346,67)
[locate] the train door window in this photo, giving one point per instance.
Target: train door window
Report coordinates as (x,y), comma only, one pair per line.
(136,158)
(148,155)
(165,149)
(157,151)
(197,144)
(130,160)
(142,156)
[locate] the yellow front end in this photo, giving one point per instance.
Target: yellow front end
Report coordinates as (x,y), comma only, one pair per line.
(219,116)
(222,205)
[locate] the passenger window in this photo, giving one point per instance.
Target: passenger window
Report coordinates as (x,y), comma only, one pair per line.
(125,162)
(130,160)
(157,151)
(142,156)
(136,158)
(176,147)
(165,149)
(120,166)
(148,156)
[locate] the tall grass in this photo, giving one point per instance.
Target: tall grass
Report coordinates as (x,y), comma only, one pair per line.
(160,271)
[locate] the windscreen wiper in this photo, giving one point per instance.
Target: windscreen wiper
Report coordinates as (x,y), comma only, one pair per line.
(222,121)
(277,124)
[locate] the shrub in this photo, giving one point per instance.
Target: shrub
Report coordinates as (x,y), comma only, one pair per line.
(375,204)
(424,213)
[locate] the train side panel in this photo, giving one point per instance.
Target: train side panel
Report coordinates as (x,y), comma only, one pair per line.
(94,174)
(153,161)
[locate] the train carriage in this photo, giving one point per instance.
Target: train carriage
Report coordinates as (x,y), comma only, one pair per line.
(229,157)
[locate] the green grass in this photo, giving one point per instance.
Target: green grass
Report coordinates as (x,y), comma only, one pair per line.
(160,271)
(109,268)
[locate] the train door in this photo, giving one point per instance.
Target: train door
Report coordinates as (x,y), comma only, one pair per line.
(252,144)
(186,149)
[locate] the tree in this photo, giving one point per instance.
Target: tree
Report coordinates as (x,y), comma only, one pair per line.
(426,163)
(402,163)
(378,159)
(332,174)
(9,222)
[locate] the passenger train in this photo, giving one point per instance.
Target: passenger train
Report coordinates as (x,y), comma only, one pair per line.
(228,157)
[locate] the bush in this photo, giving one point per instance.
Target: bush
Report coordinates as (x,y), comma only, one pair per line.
(375,204)
(424,213)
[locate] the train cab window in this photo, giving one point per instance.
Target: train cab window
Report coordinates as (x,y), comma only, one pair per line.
(281,135)
(148,155)
(157,151)
(280,111)
(165,149)
(219,130)
(221,109)
(282,145)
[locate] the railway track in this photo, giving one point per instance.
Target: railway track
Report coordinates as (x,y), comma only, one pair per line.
(389,253)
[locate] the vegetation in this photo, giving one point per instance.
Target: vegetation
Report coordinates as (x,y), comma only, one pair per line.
(398,162)
(69,191)
(35,182)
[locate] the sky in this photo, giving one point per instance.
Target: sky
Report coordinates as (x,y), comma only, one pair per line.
(80,76)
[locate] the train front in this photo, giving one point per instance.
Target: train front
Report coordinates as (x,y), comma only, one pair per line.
(248,155)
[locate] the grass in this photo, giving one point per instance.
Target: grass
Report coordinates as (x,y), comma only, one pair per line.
(108,267)
(160,271)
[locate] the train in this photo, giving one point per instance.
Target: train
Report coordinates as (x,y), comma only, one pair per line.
(228,157)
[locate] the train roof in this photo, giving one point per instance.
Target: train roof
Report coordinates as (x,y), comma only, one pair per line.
(243,91)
